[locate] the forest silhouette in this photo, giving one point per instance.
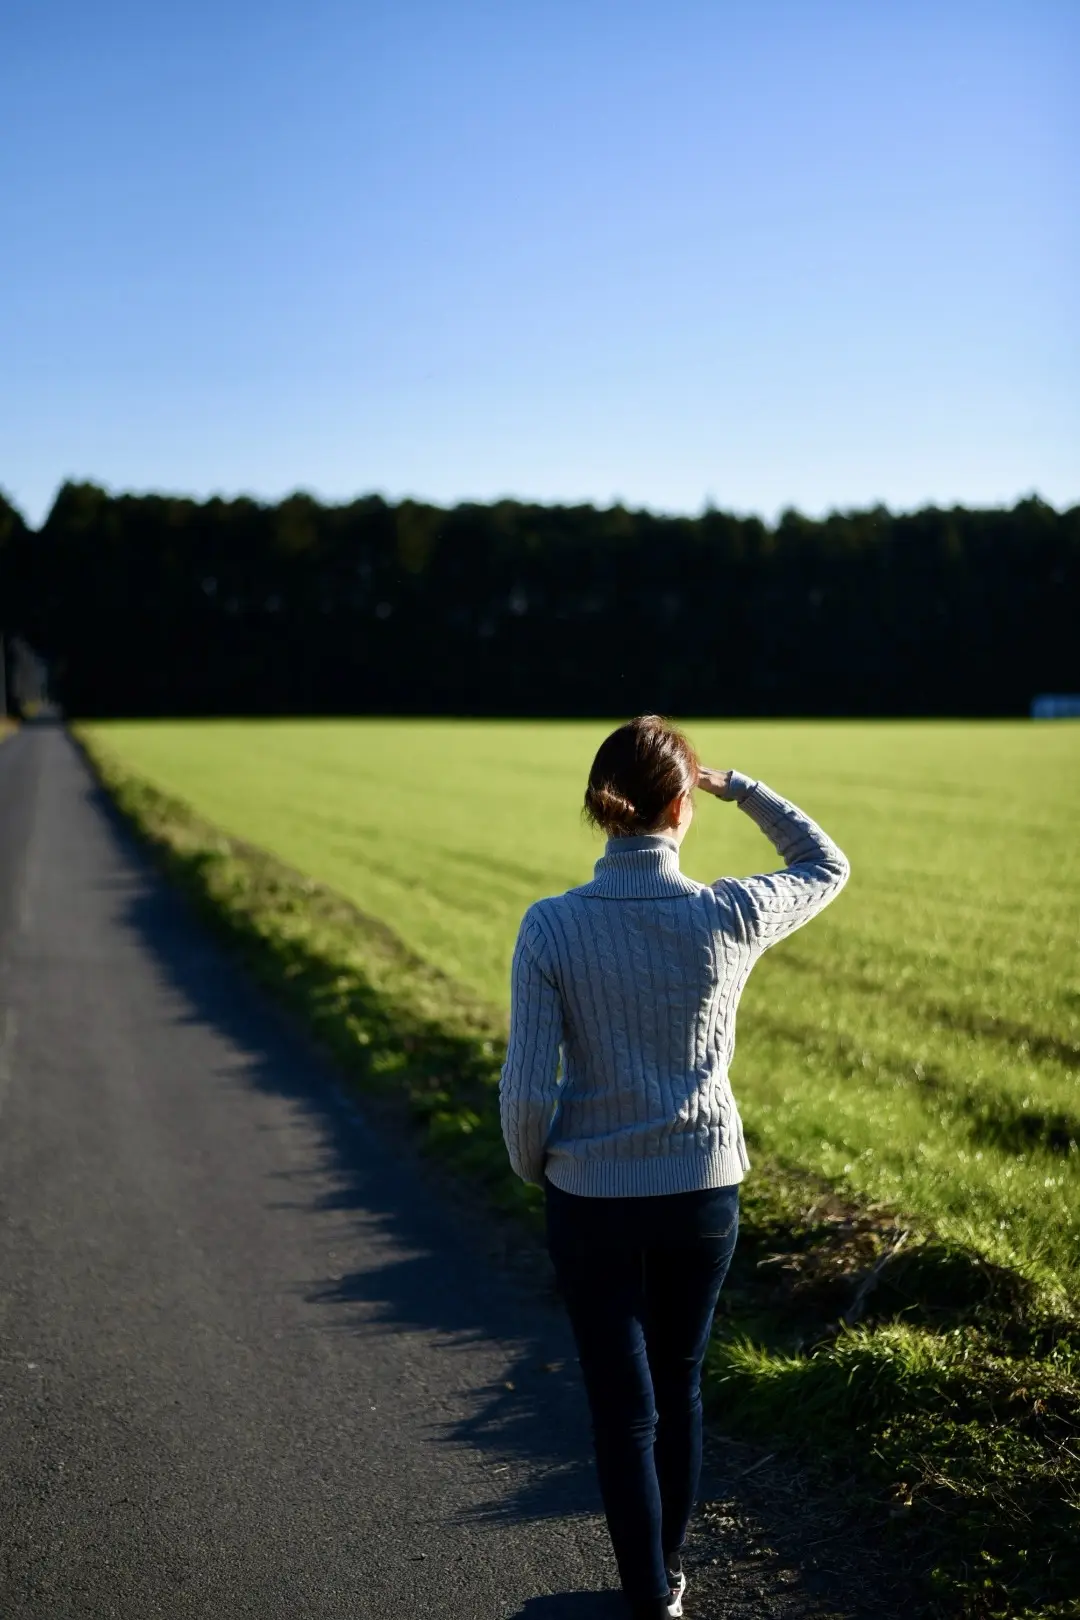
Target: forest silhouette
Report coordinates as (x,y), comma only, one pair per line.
(156,605)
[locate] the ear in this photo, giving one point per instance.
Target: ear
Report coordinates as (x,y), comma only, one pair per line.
(674,809)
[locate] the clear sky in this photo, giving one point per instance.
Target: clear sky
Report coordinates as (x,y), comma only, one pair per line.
(759,252)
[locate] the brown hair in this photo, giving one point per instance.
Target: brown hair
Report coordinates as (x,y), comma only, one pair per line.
(637,772)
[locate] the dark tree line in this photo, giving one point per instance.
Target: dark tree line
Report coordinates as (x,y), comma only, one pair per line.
(149,605)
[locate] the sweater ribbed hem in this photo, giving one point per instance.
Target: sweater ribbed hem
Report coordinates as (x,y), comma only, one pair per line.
(643,1178)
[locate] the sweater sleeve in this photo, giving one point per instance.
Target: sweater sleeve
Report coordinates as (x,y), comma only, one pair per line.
(528,1085)
(774,904)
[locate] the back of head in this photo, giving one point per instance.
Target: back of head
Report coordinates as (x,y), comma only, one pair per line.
(637,772)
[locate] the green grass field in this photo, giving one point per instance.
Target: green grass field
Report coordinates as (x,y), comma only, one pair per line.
(918,1045)
(903,1306)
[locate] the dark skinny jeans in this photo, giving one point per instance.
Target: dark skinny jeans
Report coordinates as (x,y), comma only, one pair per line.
(640,1279)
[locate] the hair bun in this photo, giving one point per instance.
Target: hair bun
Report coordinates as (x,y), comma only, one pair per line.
(611,810)
(638,771)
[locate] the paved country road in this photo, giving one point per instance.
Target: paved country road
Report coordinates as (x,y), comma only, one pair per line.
(252,1361)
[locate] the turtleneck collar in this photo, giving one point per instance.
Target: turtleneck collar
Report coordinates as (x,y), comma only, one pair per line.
(645,868)
(628,846)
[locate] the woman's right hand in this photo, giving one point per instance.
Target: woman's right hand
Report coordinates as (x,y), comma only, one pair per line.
(714,782)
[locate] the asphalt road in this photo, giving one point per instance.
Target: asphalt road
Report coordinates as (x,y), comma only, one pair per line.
(252,1362)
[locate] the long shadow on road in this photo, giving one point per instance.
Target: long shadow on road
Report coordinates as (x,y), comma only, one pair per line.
(444,1282)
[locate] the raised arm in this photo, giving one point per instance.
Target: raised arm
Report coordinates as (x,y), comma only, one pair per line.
(528,1085)
(774,904)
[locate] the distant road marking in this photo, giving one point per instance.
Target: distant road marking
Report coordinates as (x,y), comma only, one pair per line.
(25,908)
(31,863)
(7,1042)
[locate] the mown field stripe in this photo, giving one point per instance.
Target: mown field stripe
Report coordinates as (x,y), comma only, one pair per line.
(906,992)
(937,1380)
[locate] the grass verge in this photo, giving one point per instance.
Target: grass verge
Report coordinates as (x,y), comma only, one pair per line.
(942,1388)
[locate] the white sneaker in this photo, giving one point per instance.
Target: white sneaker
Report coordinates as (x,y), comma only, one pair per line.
(678,1587)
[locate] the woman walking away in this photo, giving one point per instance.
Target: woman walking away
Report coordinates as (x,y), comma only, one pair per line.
(637,1143)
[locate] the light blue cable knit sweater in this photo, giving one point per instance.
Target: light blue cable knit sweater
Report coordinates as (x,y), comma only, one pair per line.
(636,977)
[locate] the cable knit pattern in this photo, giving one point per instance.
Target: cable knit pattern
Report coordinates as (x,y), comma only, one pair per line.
(634,979)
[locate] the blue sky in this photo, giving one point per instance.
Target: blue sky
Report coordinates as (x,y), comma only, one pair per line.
(759,253)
